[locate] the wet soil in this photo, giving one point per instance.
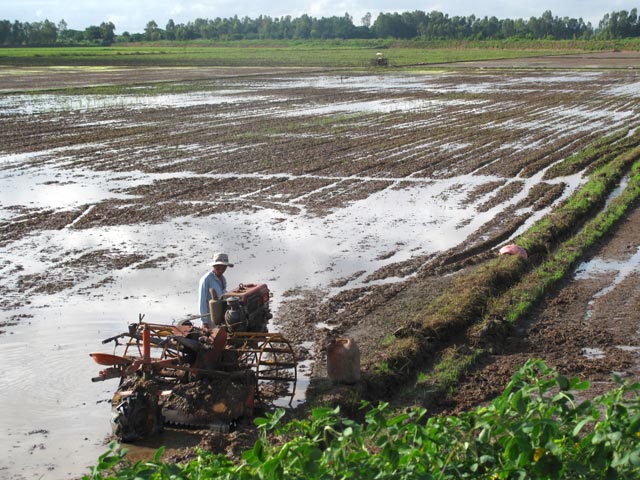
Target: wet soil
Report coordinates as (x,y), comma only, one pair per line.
(588,328)
(315,164)
(594,60)
(21,79)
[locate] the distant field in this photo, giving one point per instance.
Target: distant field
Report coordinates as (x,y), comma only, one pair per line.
(310,54)
(248,56)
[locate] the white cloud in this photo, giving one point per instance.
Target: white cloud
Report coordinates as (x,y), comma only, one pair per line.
(176,10)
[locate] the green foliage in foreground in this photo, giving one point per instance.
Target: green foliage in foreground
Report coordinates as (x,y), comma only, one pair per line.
(535,429)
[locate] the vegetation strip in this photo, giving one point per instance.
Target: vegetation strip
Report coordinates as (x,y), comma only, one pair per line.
(604,149)
(309,53)
(216,56)
(518,301)
(408,25)
(454,312)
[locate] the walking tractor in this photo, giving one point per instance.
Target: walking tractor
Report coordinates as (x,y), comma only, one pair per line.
(204,377)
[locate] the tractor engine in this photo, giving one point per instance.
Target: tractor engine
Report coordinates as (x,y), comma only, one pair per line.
(244,309)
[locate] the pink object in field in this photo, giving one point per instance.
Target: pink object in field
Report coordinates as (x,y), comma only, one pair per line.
(513,249)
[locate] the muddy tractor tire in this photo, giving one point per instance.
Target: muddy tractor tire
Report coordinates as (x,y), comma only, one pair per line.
(136,417)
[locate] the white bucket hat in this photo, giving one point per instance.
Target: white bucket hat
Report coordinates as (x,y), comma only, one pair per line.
(221,259)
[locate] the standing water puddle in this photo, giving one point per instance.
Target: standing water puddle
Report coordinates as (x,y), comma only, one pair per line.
(621,268)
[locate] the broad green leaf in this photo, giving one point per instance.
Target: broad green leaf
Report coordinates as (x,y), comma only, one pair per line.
(577,384)
(158,456)
(563,382)
(580,425)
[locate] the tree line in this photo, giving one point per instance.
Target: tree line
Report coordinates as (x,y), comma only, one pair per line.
(407,25)
(48,34)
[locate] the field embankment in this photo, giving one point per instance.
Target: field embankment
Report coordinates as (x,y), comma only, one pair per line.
(435,348)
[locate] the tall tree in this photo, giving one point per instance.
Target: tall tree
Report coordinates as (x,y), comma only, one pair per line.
(170,30)
(92,34)
(152,32)
(6,37)
(107,32)
(366,20)
(302,27)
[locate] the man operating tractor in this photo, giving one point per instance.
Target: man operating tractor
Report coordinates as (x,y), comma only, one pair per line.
(215,282)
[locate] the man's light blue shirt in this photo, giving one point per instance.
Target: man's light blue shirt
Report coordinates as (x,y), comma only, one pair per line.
(210,280)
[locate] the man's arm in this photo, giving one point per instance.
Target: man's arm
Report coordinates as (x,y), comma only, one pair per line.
(203,296)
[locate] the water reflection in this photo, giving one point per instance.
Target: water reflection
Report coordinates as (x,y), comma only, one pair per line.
(48,103)
(621,269)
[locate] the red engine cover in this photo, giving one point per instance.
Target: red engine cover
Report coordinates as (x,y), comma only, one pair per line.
(248,292)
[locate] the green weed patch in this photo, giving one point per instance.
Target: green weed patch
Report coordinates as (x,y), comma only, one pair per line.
(534,429)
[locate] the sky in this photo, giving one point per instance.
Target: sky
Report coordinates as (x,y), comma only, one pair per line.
(133,15)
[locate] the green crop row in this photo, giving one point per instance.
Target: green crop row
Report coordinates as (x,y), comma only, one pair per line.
(534,429)
(516,302)
(602,150)
(505,287)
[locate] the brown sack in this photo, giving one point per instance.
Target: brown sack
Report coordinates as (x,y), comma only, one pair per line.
(343,360)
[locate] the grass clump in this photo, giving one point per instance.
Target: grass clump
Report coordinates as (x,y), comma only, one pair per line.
(452,365)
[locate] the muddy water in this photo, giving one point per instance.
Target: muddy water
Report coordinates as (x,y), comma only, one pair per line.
(54,420)
(598,267)
(26,104)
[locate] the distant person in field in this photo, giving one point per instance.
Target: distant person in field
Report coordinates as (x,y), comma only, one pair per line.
(213,280)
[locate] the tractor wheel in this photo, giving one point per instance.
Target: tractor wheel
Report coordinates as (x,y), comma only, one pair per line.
(136,417)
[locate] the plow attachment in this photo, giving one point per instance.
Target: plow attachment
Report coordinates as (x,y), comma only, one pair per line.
(271,357)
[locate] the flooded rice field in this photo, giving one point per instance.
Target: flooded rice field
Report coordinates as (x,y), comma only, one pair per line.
(331,188)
